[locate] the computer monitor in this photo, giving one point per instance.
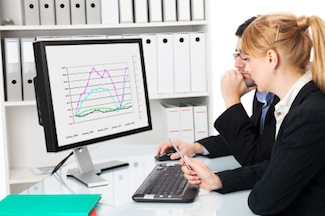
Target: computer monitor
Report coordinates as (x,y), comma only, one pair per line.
(89,91)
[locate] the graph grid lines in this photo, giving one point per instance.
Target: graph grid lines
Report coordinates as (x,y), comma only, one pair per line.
(99,91)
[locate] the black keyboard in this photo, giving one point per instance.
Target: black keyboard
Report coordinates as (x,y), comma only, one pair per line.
(166,183)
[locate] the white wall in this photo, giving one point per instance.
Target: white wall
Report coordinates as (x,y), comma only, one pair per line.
(224,21)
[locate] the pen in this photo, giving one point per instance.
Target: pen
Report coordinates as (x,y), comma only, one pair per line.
(179,153)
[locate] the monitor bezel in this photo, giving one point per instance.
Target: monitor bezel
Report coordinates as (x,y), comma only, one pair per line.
(44,96)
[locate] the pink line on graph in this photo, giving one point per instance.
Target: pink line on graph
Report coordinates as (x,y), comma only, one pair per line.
(102,76)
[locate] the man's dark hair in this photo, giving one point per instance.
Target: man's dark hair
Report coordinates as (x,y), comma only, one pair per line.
(242,27)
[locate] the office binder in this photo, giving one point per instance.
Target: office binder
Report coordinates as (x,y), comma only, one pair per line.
(45,38)
(201,129)
(126,11)
(109,11)
(165,61)
(30,12)
(47,12)
(169,11)
(49,204)
(140,11)
(78,12)
(155,10)
(93,12)
(57,37)
(198,62)
(62,12)
(132,36)
(182,69)
(28,68)
(170,121)
(114,36)
(186,122)
(12,69)
(197,10)
(89,37)
(12,10)
(149,43)
(183,10)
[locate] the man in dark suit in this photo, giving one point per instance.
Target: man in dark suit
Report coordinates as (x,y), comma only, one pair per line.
(248,139)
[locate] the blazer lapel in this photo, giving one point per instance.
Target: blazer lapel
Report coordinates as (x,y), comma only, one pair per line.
(308,88)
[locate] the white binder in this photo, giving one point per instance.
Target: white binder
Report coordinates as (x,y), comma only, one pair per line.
(198,62)
(89,37)
(155,10)
(93,12)
(140,11)
(131,36)
(62,12)
(28,68)
(30,12)
(47,12)
(51,37)
(110,11)
(169,11)
(182,65)
(78,12)
(114,36)
(197,9)
(165,61)
(12,10)
(149,43)
(126,11)
(201,129)
(183,10)
(13,70)
(170,122)
(186,123)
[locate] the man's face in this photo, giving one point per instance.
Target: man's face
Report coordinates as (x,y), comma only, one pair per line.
(240,64)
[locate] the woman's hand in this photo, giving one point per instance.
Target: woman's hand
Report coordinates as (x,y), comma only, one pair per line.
(200,174)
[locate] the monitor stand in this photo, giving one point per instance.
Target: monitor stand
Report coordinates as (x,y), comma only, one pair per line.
(87,172)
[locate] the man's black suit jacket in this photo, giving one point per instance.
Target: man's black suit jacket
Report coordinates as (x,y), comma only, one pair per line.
(292,182)
(240,136)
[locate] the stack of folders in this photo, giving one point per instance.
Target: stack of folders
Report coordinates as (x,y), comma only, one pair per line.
(19,64)
(175,62)
(19,69)
(143,11)
(61,12)
(76,12)
(187,122)
(50,205)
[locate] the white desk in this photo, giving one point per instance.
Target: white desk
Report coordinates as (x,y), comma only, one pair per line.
(116,197)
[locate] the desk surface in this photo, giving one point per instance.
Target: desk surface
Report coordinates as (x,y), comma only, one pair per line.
(116,196)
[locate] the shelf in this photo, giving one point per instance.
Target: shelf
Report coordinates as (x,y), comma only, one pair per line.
(151,97)
(19,103)
(102,26)
(179,95)
(23,175)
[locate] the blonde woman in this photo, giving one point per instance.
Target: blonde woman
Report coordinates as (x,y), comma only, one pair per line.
(278,48)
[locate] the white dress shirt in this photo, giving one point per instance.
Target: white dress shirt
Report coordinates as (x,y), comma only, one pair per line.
(282,108)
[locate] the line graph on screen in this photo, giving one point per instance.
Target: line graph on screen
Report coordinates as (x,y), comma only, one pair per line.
(99,91)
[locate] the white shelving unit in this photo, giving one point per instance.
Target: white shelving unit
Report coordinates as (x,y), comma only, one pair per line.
(22,138)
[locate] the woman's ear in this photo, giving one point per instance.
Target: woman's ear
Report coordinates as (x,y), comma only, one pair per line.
(273,58)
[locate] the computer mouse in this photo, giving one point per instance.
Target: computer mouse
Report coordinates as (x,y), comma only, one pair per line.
(166,155)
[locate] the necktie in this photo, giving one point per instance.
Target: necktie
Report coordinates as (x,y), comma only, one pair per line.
(267,102)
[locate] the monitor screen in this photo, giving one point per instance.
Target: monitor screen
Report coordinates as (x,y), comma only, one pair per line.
(89,91)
